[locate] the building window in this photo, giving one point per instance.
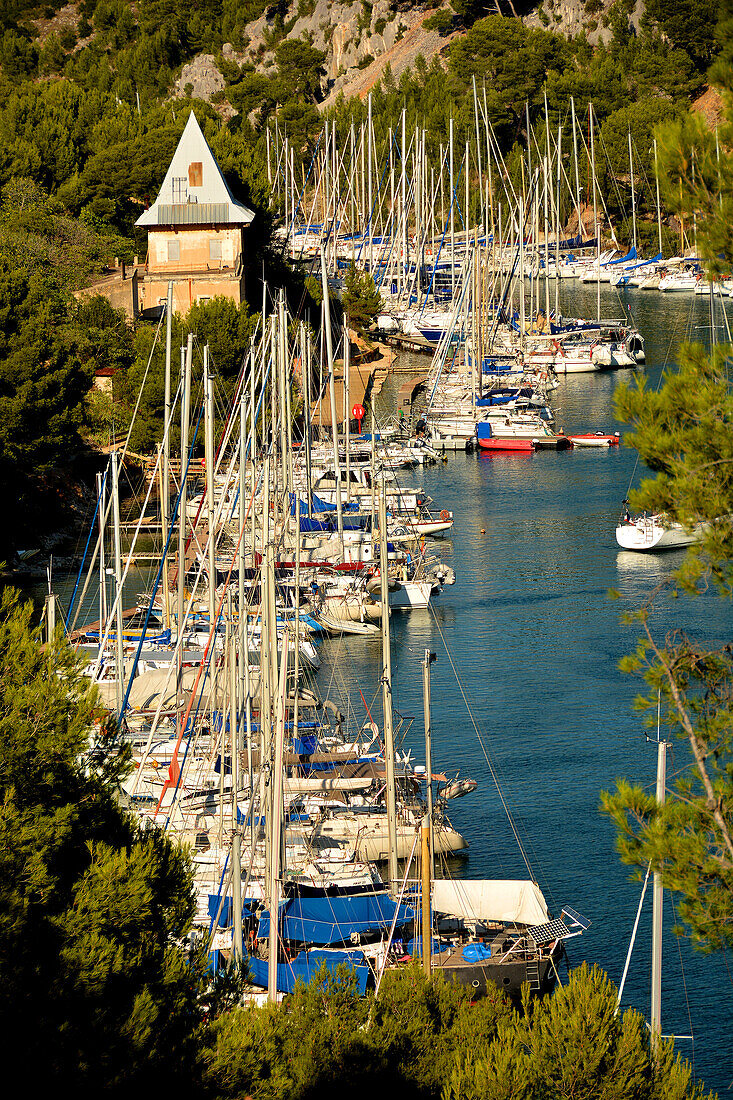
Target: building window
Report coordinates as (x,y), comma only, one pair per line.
(174,251)
(195,174)
(215,251)
(180,190)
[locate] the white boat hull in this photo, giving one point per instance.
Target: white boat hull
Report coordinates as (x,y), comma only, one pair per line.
(648,533)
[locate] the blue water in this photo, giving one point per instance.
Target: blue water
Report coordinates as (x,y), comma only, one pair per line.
(536,642)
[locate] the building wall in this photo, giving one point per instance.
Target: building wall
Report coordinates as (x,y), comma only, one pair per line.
(121,290)
(177,249)
(187,290)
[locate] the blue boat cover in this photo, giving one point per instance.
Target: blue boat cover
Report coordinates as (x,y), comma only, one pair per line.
(306,966)
(476,952)
(414,947)
(630,255)
(483,430)
(501,398)
(225,917)
(321,506)
(335,919)
(305,744)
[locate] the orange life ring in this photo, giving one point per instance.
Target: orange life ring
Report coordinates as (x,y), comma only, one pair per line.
(445,515)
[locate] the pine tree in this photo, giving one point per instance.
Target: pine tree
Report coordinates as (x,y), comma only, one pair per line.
(683,431)
(361,299)
(96,987)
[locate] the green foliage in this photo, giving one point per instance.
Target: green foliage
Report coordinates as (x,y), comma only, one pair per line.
(325,1039)
(226,327)
(440,21)
(695,180)
(689,24)
(469,11)
(571,1044)
(300,69)
(94,986)
(48,352)
(361,299)
(424,1039)
(682,432)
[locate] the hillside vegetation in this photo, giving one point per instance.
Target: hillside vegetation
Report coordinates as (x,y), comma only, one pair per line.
(94,96)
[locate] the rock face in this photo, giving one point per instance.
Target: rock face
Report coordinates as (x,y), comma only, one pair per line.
(360,38)
(200,77)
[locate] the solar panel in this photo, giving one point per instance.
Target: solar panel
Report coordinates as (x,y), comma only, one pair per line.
(564,927)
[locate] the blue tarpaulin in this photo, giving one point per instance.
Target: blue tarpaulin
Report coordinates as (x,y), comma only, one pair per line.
(335,919)
(630,255)
(305,968)
(225,917)
(320,505)
(477,952)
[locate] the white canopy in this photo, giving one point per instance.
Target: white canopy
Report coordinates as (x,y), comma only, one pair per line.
(511,901)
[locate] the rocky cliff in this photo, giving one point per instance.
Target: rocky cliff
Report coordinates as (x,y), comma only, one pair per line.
(360,39)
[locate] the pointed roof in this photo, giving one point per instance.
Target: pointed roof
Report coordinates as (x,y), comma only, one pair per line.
(194,191)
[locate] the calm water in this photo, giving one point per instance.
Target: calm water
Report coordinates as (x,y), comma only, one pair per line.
(536,642)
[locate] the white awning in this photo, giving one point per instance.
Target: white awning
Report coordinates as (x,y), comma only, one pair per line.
(510,901)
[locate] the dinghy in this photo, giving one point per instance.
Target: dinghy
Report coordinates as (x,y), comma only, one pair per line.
(595,439)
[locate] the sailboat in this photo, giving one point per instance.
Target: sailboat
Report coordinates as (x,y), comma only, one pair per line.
(647,533)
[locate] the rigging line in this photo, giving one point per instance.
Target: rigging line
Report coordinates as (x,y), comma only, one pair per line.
(209,645)
(483,749)
(684,983)
(632,941)
(86,548)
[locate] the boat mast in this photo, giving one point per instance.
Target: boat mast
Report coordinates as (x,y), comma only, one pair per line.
(233,729)
(657,910)
(659,208)
(427,930)
(119,656)
(165,485)
(185,403)
(427,661)
(633,196)
(595,213)
(332,396)
(389,755)
(346,411)
(210,500)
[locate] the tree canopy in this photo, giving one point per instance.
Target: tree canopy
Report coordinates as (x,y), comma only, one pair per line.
(683,432)
(96,985)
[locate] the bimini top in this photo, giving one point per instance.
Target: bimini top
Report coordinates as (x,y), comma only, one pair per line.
(194,191)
